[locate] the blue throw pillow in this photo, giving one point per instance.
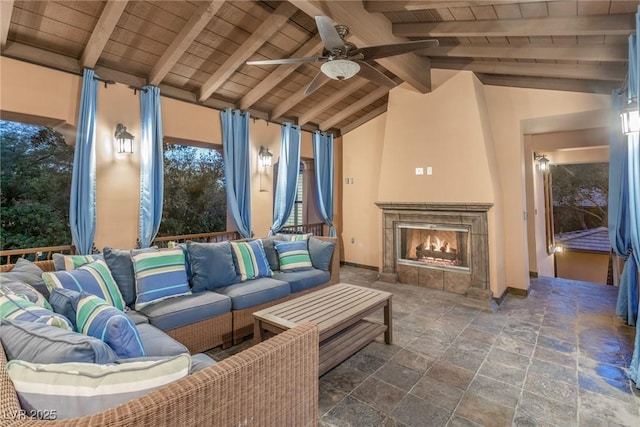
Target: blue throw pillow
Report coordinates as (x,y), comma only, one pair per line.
(63,302)
(160,275)
(15,307)
(211,265)
(320,252)
(94,278)
(121,266)
(250,260)
(96,318)
(294,256)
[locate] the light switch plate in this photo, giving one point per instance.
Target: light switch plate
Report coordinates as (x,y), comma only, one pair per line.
(419,171)
(429,170)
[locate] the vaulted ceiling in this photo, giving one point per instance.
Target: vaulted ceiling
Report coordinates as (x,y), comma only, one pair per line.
(196,50)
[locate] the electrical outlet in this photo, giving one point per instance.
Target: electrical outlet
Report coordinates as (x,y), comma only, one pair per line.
(353,240)
(419,171)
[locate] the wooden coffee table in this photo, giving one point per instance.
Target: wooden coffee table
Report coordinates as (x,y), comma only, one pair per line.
(339,313)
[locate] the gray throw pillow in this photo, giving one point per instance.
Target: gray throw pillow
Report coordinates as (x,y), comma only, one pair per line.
(40,343)
(121,266)
(270,251)
(62,300)
(212,265)
(23,271)
(320,252)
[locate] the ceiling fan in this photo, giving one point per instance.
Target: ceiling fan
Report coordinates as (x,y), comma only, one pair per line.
(343,60)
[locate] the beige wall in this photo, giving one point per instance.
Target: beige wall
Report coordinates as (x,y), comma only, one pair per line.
(39,95)
(472,136)
(584,266)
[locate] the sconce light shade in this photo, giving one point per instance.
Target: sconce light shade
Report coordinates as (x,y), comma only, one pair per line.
(630,118)
(340,69)
(265,157)
(124,139)
(543,162)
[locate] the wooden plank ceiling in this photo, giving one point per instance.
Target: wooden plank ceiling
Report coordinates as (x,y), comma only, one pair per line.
(196,50)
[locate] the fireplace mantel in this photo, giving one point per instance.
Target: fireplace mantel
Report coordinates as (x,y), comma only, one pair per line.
(426,206)
(474,282)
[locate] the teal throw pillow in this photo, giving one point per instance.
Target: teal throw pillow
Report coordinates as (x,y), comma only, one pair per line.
(96,318)
(250,260)
(94,278)
(14,307)
(160,275)
(294,256)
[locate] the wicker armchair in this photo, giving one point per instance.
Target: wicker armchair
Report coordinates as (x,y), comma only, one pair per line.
(274,383)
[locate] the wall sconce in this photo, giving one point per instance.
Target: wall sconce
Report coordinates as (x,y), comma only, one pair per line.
(124,139)
(265,157)
(543,162)
(630,117)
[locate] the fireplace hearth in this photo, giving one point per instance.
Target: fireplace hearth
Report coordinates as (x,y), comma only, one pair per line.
(437,245)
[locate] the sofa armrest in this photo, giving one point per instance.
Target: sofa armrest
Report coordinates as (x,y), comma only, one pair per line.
(272,383)
(334,267)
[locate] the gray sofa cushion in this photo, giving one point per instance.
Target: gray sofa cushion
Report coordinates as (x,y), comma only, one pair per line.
(303,280)
(211,266)
(199,362)
(255,292)
(184,310)
(138,318)
(40,343)
(158,344)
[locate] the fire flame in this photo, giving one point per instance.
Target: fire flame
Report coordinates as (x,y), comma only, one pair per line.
(436,244)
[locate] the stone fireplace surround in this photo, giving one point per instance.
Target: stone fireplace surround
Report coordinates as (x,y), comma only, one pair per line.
(473,284)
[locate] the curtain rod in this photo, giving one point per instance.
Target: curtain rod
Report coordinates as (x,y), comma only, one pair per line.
(105,81)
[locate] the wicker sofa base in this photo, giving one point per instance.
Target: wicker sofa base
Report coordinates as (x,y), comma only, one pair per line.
(205,334)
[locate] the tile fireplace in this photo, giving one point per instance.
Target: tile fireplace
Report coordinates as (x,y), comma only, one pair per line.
(437,245)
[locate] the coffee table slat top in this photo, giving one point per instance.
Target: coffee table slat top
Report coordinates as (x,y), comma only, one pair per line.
(326,308)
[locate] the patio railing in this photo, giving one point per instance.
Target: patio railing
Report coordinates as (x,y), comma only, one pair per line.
(315,229)
(10,256)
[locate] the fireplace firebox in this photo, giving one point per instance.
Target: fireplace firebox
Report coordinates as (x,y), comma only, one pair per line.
(442,246)
(433,245)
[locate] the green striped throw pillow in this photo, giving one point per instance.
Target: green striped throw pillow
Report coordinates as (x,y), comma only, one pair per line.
(94,278)
(77,389)
(71,262)
(293,256)
(250,260)
(160,275)
(15,307)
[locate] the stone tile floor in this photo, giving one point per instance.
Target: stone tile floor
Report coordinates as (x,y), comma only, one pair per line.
(554,358)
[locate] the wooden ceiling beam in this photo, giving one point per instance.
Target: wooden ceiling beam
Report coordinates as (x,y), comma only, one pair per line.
(618,24)
(6,10)
(372,29)
(275,21)
(413,5)
(603,53)
(102,32)
(550,83)
(354,108)
(614,72)
(279,74)
(291,101)
(183,40)
(344,91)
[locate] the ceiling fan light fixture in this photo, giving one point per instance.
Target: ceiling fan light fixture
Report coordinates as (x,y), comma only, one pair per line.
(340,69)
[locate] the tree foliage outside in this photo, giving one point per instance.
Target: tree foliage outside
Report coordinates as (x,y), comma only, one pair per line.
(195,198)
(580,196)
(35,184)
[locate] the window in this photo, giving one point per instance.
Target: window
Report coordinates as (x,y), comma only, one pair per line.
(296,216)
(195,198)
(35,186)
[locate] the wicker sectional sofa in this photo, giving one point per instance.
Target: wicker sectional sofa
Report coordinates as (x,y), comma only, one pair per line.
(274,383)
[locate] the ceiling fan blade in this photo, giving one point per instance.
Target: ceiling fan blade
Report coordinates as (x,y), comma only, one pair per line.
(369,72)
(317,81)
(287,61)
(384,50)
(330,37)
